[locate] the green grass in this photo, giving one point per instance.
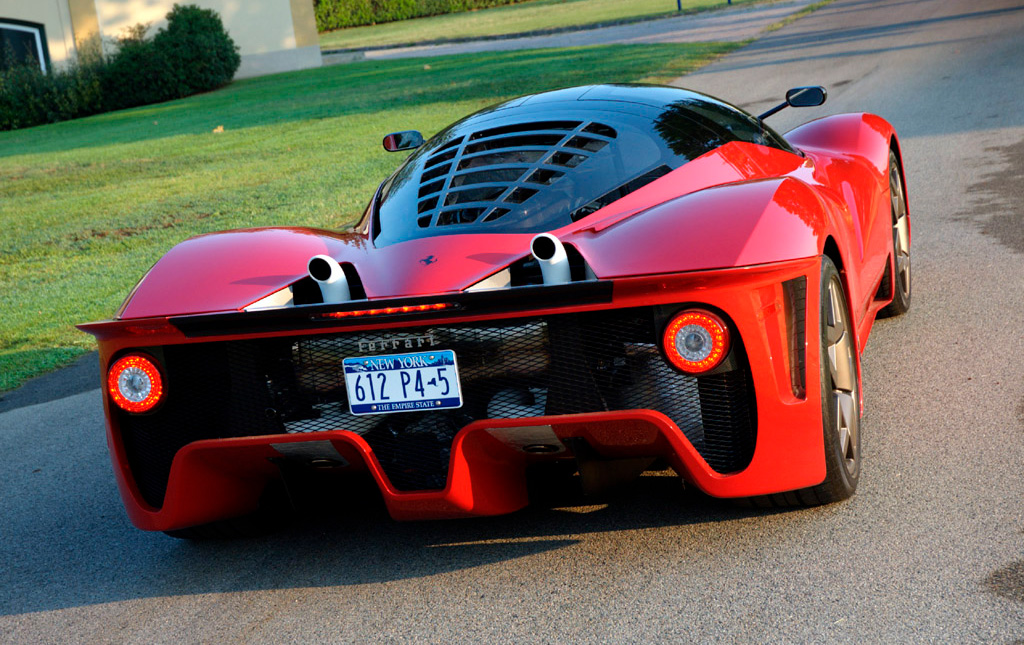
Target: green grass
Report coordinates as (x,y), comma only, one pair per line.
(88,206)
(525,17)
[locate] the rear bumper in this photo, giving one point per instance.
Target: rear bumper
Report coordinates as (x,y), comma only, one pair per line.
(212,479)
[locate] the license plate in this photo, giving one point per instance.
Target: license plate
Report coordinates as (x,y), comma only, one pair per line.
(413,382)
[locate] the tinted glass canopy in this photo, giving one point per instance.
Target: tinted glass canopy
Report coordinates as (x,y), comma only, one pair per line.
(540,162)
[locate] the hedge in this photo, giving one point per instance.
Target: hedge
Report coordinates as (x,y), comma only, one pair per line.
(192,54)
(29,97)
(337,14)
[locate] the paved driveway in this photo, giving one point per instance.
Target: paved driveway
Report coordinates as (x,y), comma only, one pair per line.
(929,550)
(730,24)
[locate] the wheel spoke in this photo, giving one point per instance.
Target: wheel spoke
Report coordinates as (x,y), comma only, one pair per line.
(841,366)
(896,191)
(903,270)
(846,423)
(836,325)
(840,343)
(903,234)
(835,332)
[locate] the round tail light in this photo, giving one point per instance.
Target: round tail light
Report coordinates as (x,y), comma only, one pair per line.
(696,341)
(135,384)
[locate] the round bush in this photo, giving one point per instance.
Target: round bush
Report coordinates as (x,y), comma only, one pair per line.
(199,53)
(138,74)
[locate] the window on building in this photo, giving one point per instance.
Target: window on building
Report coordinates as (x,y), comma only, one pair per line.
(23,42)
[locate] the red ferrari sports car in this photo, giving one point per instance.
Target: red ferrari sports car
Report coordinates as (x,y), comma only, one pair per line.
(589,280)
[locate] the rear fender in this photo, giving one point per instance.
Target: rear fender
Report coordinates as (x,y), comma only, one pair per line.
(851,154)
(859,135)
(746,224)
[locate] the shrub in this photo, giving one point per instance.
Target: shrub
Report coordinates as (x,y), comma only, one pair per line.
(197,51)
(137,74)
(21,90)
(336,14)
(193,53)
(28,96)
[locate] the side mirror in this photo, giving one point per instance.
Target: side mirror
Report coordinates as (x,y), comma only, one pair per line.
(406,140)
(806,96)
(799,97)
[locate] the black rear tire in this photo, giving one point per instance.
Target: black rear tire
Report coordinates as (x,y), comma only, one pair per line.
(899,275)
(840,402)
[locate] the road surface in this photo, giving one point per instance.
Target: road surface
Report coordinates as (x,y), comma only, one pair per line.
(732,24)
(930,549)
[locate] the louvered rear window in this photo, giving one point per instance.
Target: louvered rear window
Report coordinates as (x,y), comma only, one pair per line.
(530,174)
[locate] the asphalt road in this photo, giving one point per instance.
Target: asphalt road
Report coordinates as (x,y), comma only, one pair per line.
(930,549)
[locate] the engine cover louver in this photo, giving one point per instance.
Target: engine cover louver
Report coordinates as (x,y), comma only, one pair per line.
(480,177)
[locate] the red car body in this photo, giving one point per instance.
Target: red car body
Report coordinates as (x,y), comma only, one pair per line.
(741,230)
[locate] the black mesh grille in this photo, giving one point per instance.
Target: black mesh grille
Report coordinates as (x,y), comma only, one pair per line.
(490,167)
(210,394)
(563,364)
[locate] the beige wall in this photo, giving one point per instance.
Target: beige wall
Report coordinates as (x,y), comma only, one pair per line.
(269,37)
(84,23)
(304,21)
(272,35)
(52,14)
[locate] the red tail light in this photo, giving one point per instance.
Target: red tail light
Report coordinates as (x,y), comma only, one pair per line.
(135,384)
(696,341)
(387,311)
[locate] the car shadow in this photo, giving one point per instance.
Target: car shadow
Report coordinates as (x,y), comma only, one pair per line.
(94,556)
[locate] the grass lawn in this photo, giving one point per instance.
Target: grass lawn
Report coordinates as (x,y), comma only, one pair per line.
(512,19)
(88,206)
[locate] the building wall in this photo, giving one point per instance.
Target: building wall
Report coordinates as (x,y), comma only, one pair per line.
(272,35)
(55,16)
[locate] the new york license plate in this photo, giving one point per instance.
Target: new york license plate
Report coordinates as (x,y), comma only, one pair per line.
(412,382)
